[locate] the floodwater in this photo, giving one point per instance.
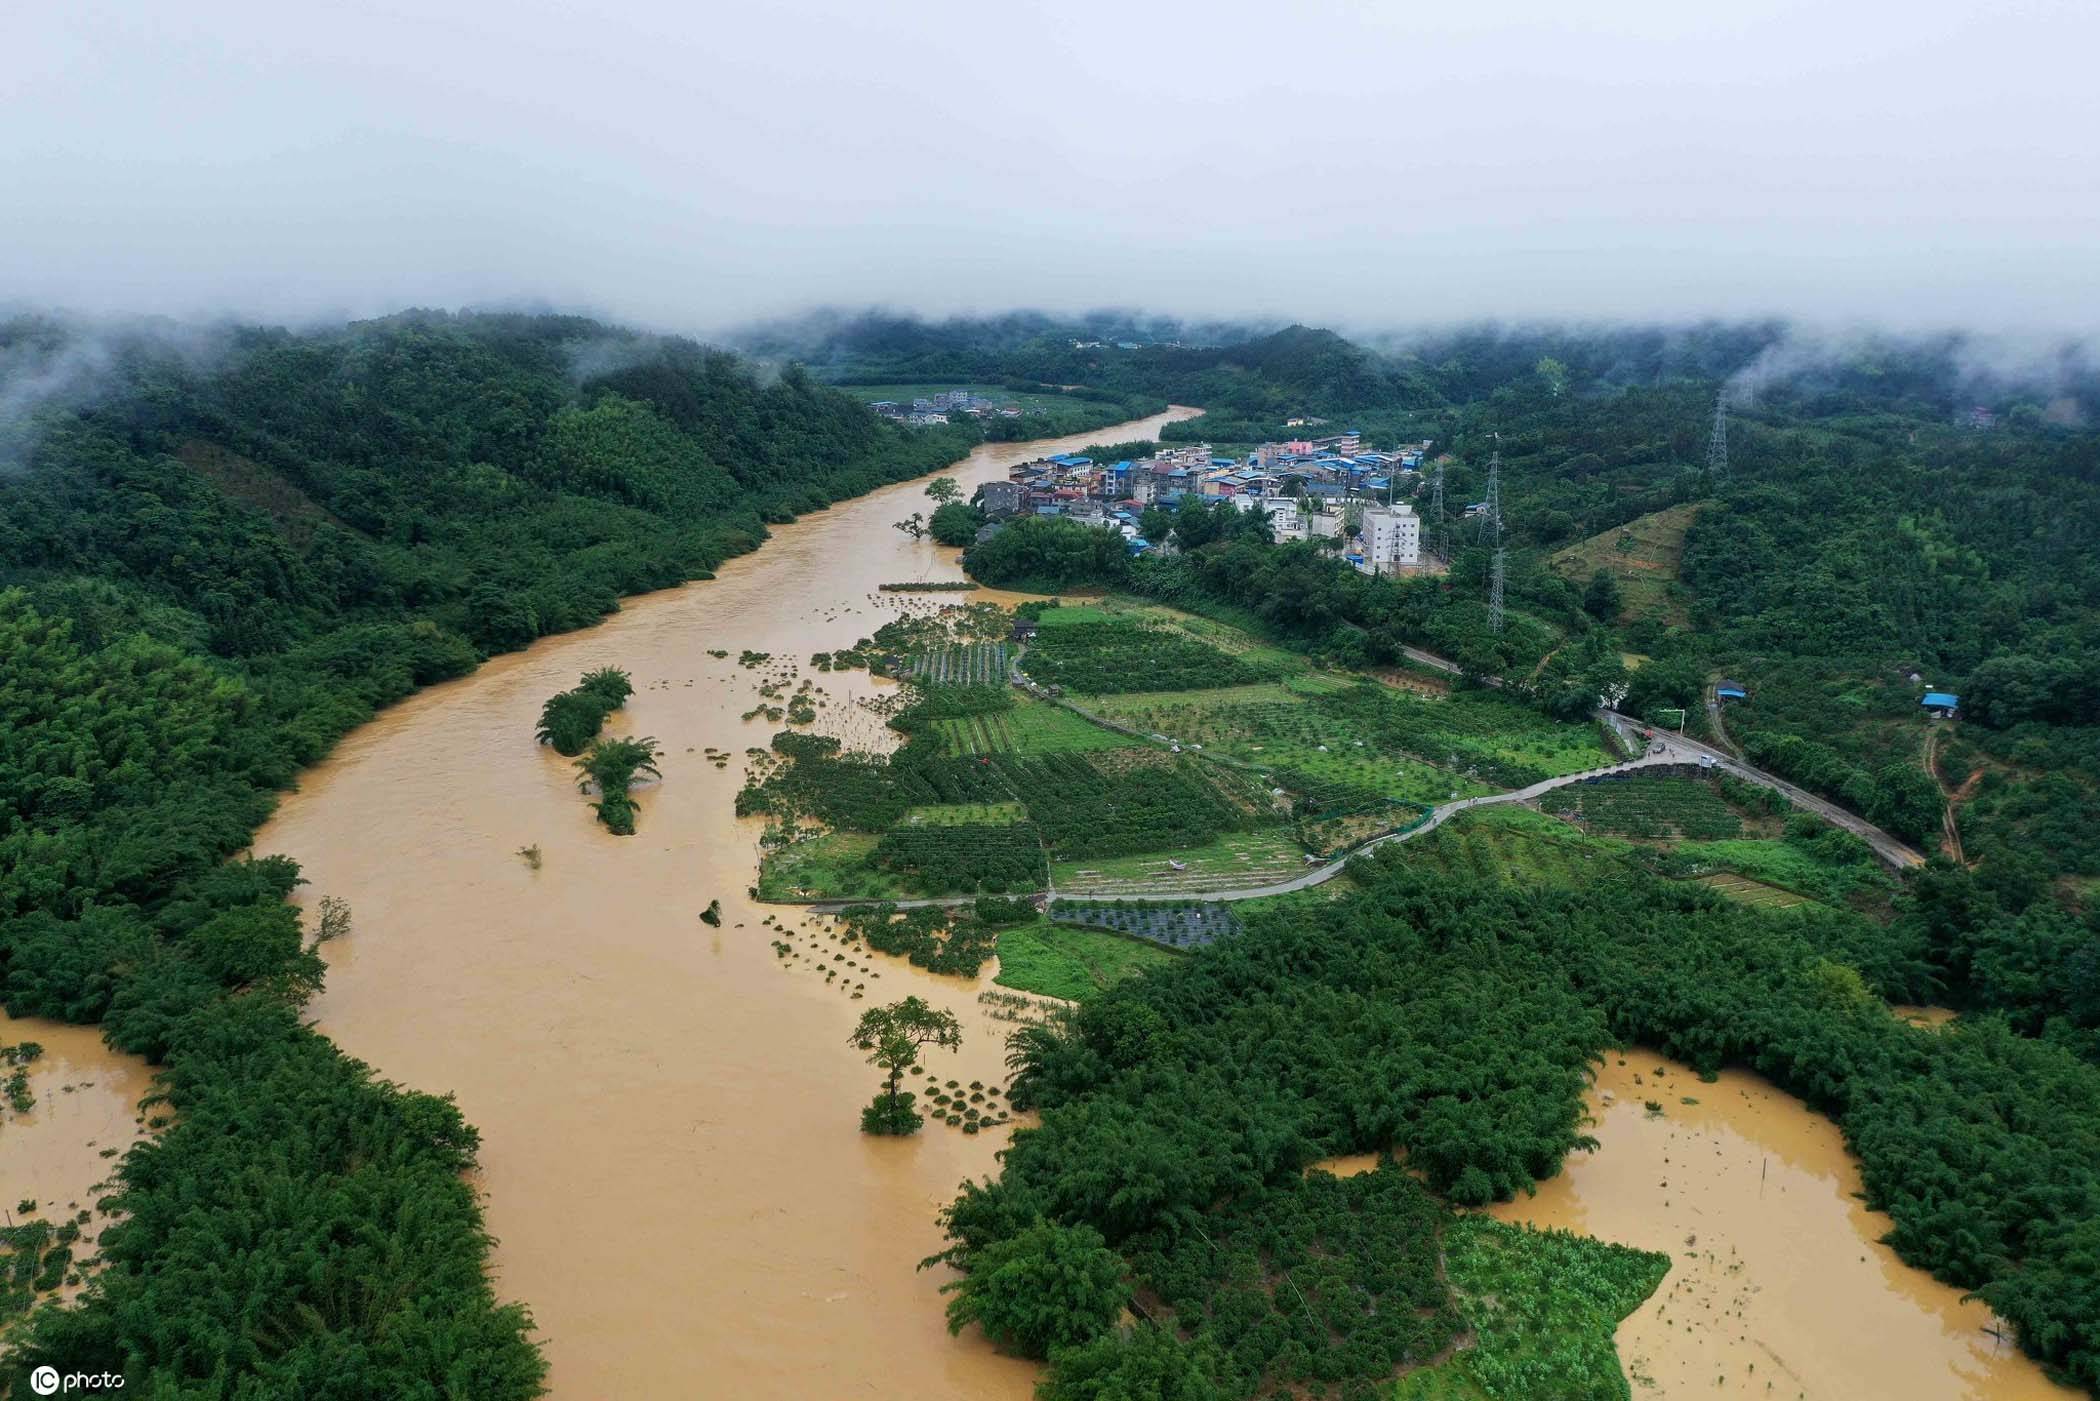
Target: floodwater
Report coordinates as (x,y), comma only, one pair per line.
(671,1160)
(1778,1286)
(59,1152)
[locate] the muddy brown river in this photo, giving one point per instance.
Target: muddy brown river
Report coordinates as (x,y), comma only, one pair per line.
(670,1157)
(671,1164)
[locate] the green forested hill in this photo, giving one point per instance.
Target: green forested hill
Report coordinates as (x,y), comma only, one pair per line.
(210,569)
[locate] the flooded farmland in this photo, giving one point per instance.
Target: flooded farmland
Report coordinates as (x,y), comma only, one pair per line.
(58,1152)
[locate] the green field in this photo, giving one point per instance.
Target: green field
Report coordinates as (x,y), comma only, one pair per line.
(1031,727)
(833,866)
(1381,741)
(1543,1307)
(1234,861)
(1835,870)
(1055,960)
(1233,641)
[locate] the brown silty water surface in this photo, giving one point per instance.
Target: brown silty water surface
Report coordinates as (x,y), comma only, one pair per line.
(1778,1286)
(671,1160)
(86,1105)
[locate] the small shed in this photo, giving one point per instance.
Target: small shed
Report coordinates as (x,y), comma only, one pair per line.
(1942,703)
(1024,628)
(1731,690)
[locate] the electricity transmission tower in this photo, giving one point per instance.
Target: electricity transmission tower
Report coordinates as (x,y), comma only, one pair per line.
(1717,441)
(1499,569)
(1436,513)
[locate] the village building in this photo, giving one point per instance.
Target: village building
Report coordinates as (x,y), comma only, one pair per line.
(1000,499)
(1392,538)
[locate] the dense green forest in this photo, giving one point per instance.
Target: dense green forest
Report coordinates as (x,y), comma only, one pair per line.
(211,567)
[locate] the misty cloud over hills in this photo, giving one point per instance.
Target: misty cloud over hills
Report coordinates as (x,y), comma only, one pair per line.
(1358,166)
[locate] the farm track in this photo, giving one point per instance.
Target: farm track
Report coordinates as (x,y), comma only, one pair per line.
(1953,798)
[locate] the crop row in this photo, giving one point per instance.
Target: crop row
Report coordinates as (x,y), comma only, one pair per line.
(1174,926)
(1109,658)
(1086,812)
(963,664)
(949,859)
(1648,807)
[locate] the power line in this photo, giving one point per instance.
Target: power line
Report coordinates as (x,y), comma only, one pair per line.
(1436,511)
(1498,570)
(1717,441)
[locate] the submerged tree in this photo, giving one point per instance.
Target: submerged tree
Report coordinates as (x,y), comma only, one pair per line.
(608,684)
(893,1036)
(612,766)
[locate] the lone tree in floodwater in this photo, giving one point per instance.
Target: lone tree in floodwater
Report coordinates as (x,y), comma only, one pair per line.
(611,765)
(892,1036)
(943,490)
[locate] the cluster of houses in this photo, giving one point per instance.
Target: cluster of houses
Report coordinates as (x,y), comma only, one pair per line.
(937,408)
(1330,488)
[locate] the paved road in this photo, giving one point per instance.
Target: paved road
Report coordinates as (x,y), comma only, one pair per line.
(1676,749)
(1894,852)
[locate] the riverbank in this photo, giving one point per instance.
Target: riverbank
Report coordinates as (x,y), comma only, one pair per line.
(1779,1285)
(669,1160)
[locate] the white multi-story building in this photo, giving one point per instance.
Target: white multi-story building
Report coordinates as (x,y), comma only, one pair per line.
(1392,538)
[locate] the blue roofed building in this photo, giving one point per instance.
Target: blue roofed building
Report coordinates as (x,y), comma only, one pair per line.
(1942,703)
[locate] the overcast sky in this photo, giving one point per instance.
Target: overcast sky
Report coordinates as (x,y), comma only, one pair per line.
(691,165)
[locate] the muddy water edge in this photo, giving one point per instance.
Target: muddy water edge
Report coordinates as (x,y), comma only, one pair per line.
(1778,1285)
(670,1164)
(61,1151)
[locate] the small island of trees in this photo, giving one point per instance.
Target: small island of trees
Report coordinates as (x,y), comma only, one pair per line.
(571,719)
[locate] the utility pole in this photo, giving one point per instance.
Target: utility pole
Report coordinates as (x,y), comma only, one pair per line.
(1499,569)
(1717,441)
(1436,511)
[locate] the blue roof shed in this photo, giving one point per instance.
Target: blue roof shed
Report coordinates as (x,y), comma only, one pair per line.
(1941,700)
